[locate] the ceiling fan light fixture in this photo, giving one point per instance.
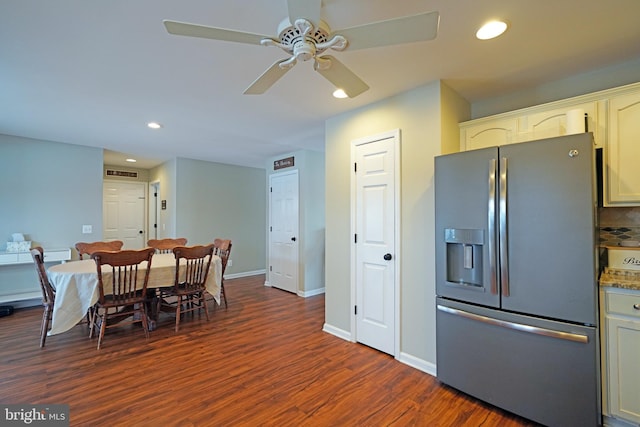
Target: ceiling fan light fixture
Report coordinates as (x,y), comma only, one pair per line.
(340,94)
(491,29)
(154,125)
(130,160)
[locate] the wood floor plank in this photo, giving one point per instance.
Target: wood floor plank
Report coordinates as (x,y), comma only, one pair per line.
(263,361)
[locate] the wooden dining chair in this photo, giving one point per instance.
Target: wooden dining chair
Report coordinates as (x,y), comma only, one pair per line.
(222,248)
(123,288)
(48,292)
(165,246)
(84,248)
(192,268)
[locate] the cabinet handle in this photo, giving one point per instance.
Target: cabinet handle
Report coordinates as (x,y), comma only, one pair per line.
(636,306)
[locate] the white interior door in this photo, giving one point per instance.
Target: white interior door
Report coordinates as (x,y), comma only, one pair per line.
(123,212)
(374,218)
(283,246)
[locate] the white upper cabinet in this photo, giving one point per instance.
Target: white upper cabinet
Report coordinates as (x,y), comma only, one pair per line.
(613,115)
(488,133)
(622,154)
(561,121)
(543,121)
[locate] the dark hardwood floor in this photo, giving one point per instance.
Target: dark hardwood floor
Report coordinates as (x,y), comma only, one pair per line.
(262,361)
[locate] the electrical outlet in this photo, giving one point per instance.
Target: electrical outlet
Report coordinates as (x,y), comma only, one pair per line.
(87,229)
(229,263)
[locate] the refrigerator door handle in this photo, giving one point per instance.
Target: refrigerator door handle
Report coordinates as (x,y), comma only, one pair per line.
(504,253)
(568,336)
(491,227)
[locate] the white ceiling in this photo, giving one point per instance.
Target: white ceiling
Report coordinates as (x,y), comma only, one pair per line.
(95,72)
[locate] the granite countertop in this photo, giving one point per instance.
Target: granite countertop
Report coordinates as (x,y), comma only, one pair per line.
(618,278)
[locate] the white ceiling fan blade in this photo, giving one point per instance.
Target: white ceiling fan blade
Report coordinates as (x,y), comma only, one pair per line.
(408,29)
(341,77)
(194,30)
(268,78)
(305,9)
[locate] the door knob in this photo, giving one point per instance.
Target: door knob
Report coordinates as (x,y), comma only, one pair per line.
(293,239)
(140,231)
(387,257)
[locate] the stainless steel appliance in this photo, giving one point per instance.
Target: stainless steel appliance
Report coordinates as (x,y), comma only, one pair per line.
(516,278)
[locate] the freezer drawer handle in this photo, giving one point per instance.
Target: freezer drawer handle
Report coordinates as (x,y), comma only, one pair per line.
(516,326)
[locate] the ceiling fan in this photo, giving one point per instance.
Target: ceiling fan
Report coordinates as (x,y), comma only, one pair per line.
(305,36)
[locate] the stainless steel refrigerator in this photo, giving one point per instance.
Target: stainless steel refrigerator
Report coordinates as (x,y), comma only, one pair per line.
(516,278)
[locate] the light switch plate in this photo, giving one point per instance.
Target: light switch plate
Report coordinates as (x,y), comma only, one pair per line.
(87,229)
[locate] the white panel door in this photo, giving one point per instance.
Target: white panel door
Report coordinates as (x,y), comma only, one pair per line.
(123,212)
(283,253)
(375,257)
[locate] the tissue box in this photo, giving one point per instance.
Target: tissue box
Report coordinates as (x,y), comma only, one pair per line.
(19,246)
(624,258)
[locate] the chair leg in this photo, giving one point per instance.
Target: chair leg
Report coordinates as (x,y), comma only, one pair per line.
(145,324)
(103,327)
(224,293)
(94,317)
(44,326)
(203,304)
(178,306)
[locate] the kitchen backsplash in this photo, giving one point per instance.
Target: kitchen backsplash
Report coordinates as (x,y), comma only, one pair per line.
(618,225)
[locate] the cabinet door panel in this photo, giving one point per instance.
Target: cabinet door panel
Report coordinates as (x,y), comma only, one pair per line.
(623,337)
(490,134)
(556,122)
(623,151)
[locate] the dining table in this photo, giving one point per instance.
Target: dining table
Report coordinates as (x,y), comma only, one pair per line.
(77,289)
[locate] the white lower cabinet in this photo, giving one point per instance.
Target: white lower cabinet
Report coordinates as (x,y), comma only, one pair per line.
(621,354)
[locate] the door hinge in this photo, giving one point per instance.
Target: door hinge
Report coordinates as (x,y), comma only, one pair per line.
(355,167)
(270,228)
(155,225)
(355,310)
(270,189)
(270,268)
(355,238)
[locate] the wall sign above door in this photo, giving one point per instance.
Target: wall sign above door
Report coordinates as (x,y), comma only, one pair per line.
(283,163)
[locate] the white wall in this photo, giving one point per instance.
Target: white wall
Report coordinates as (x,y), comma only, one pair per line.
(427,118)
(580,84)
(219,200)
(48,191)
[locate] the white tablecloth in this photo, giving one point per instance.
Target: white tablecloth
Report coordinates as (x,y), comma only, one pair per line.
(76,284)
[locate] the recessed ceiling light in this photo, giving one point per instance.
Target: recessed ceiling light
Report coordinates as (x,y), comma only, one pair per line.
(491,30)
(339,93)
(154,125)
(131,160)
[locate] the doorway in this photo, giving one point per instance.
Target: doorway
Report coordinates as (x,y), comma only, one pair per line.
(283,231)
(123,211)
(375,213)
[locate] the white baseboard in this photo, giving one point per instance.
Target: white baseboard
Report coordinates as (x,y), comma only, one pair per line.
(420,364)
(244,274)
(615,422)
(22,300)
(407,359)
(311,293)
(340,333)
